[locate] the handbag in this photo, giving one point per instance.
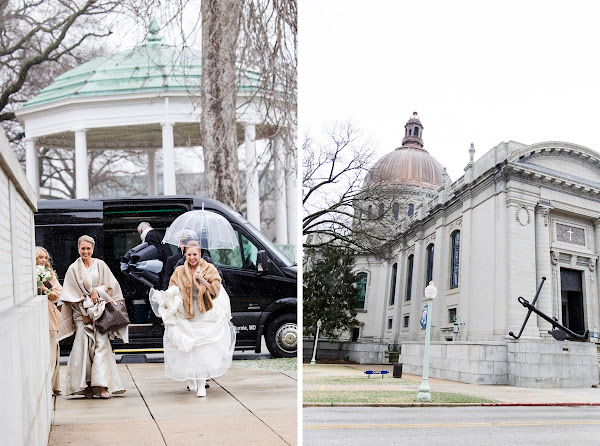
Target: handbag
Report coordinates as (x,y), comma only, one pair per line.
(114,316)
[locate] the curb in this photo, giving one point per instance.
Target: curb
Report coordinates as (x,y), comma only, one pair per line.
(390,404)
(444,404)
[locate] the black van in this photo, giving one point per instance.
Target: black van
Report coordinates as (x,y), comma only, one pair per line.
(259,278)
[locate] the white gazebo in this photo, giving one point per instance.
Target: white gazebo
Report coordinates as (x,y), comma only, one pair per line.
(146,99)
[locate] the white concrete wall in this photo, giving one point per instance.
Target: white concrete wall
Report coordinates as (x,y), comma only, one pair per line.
(26,403)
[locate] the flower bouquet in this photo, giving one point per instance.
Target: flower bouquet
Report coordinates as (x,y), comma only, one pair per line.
(43,275)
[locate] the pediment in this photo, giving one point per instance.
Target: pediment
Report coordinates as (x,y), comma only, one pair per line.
(561,159)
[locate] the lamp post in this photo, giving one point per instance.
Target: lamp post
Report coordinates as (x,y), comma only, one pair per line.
(424,395)
(312,361)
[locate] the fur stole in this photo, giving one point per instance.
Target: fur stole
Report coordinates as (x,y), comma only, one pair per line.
(183,277)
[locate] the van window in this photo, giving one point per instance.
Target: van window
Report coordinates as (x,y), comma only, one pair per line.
(121,243)
(244,257)
(231,258)
(250,253)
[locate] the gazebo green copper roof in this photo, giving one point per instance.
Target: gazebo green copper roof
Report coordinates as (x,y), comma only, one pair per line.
(151,67)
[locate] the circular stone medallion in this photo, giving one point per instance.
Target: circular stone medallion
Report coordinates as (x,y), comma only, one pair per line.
(523,216)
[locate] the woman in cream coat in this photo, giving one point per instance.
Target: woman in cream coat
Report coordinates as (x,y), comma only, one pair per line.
(42,258)
(92,369)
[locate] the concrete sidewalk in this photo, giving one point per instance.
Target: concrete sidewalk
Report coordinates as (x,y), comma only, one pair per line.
(501,393)
(243,407)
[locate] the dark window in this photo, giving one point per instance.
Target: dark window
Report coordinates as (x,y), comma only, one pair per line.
(411,209)
(231,258)
(361,290)
(429,276)
(406,319)
(369,212)
(451,314)
(410,132)
(381,210)
(416,131)
(396,210)
(390,322)
(411,261)
(393,284)
(454,257)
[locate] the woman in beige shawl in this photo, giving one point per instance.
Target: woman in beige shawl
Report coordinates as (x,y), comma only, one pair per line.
(92,369)
(42,258)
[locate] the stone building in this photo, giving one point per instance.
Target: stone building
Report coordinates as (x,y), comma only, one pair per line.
(519,213)
(26,408)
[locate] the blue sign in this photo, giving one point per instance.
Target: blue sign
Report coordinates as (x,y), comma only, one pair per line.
(423,320)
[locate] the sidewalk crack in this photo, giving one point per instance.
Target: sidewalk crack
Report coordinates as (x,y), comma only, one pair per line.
(147,407)
(249,410)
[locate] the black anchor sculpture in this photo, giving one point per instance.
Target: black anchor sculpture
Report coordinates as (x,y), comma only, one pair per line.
(559,331)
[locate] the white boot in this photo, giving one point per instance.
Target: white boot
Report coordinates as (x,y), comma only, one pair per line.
(201,388)
(192,385)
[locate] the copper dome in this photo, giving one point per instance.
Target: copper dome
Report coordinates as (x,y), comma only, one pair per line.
(410,164)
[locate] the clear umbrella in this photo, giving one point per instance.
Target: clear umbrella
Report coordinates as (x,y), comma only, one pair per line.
(201,227)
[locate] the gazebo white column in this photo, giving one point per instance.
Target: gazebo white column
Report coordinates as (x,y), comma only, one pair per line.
(82,187)
(291,191)
(152,177)
(252,191)
(280,195)
(168,146)
(32,165)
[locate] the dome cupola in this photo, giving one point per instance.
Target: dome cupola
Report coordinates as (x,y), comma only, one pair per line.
(413,132)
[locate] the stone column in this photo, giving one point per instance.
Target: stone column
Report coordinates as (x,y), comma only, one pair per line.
(152,176)
(543,266)
(82,185)
(252,187)
(32,165)
(280,195)
(168,146)
(291,191)
(594,320)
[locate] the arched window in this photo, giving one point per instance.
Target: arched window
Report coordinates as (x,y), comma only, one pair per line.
(410,132)
(381,210)
(416,131)
(369,212)
(361,290)
(429,264)
(454,257)
(411,262)
(396,210)
(411,209)
(393,284)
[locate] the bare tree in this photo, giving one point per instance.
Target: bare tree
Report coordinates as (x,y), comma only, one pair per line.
(336,201)
(36,33)
(115,173)
(220,28)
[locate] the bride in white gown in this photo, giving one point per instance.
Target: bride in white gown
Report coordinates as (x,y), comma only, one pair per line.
(199,337)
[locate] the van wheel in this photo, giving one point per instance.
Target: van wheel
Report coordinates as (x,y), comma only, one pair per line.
(281,336)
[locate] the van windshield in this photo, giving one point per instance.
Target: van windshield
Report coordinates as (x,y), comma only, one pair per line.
(269,244)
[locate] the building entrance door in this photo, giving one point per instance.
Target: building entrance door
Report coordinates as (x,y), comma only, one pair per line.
(572,300)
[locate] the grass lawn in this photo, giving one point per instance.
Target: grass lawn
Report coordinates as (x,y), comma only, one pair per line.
(279,364)
(382,396)
(357,380)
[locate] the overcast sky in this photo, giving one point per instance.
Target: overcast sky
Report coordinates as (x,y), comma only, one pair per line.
(475,71)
